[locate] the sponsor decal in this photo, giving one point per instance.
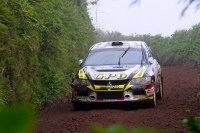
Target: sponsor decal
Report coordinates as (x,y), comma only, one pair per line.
(110,75)
(98,76)
(150,73)
(109,87)
(139,96)
(138,87)
(150,91)
(109,100)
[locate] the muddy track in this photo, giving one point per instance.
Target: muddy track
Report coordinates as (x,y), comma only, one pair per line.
(179,101)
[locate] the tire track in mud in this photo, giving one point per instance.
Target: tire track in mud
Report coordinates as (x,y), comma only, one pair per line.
(178,102)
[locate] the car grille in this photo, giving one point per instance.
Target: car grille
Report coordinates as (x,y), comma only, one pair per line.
(109,95)
(141,92)
(82,93)
(113,82)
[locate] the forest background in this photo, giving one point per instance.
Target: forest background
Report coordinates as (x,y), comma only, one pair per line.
(42,41)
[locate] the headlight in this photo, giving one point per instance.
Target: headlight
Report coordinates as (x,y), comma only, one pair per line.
(81,82)
(144,80)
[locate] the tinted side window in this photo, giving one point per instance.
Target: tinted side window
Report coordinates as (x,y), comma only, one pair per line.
(148,50)
(149,53)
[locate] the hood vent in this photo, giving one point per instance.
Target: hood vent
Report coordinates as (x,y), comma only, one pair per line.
(113,69)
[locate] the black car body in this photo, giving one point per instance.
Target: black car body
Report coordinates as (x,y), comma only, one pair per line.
(123,71)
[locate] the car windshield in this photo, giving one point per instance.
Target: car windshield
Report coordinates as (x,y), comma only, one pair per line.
(111,56)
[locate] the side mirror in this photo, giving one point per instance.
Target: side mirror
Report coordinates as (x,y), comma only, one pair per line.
(151,60)
(80,62)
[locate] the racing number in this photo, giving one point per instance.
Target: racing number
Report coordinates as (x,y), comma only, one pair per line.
(108,76)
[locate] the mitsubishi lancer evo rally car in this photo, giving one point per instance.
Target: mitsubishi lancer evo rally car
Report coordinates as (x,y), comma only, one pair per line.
(123,71)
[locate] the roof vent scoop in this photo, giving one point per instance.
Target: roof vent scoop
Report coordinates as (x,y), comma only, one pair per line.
(117,43)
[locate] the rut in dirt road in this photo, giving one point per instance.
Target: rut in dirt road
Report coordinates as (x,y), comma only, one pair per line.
(179,101)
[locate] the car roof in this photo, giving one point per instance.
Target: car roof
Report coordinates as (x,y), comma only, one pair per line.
(120,44)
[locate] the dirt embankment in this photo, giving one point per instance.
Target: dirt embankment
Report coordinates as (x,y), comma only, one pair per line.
(179,101)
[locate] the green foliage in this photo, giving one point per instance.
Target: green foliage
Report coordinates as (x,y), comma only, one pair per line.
(19,118)
(194,125)
(119,128)
(18,60)
(40,44)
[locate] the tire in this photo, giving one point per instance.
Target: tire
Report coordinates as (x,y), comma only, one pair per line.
(77,106)
(160,93)
(153,102)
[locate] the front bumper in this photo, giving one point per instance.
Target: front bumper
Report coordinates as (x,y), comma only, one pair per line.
(113,96)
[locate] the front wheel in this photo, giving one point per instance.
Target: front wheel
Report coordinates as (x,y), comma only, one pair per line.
(160,93)
(153,102)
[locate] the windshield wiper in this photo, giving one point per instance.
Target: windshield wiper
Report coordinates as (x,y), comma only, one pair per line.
(122,55)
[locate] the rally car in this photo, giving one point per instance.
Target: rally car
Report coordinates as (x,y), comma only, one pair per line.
(117,71)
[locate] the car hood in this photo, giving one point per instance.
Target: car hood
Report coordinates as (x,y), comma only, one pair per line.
(114,72)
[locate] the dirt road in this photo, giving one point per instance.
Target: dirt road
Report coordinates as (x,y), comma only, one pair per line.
(179,101)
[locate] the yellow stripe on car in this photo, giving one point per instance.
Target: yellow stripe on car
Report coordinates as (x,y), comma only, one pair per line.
(128,86)
(90,87)
(81,74)
(140,73)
